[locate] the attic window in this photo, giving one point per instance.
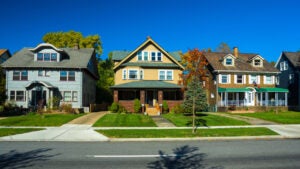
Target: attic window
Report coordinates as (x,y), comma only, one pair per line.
(228,62)
(257,62)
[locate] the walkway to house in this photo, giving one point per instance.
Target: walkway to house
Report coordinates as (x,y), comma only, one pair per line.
(162,122)
(88,119)
(250,120)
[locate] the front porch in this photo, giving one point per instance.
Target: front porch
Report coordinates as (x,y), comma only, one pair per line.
(244,97)
(150,93)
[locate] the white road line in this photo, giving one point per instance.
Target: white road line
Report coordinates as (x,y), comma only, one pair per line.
(133,156)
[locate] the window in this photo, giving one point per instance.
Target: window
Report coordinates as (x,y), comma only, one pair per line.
(67,96)
(67,75)
(253,79)
(133,74)
(40,73)
(20,75)
(153,56)
(53,57)
(47,57)
(145,56)
(291,78)
(47,73)
(257,62)
(165,74)
(124,74)
(228,62)
(224,79)
(283,65)
(239,79)
(74,96)
(141,74)
(63,75)
(40,57)
(268,79)
(156,56)
(17,95)
(140,56)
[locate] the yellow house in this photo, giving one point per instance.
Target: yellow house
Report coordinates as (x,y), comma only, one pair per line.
(148,73)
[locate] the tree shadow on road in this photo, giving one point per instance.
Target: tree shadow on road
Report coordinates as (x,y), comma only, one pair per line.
(184,157)
(15,159)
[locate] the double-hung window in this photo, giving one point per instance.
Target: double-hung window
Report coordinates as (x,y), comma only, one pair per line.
(239,79)
(145,56)
(228,62)
(141,74)
(268,79)
(124,74)
(165,74)
(253,79)
(140,56)
(224,79)
(53,57)
(67,75)
(156,56)
(133,74)
(20,75)
(17,95)
(283,65)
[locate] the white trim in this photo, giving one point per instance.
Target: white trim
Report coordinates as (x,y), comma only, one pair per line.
(126,74)
(228,78)
(165,74)
(257,79)
(235,79)
(46,45)
(137,75)
(279,58)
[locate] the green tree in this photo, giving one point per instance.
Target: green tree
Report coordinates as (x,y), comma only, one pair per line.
(223,47)
(72,38)
(195,97)
(2,87)
(137,106)
(106,79)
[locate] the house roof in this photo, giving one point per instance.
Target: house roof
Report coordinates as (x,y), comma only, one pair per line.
(242,63)
(148,40)
(2,51)
(73,58)
(151,64)
(147,84)
(293,57)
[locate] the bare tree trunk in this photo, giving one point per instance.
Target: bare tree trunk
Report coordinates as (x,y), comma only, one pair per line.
(194,130)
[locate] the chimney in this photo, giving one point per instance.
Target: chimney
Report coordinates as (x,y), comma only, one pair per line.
(76,46)
(235,51)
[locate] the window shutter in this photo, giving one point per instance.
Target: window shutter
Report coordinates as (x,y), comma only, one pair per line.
(244,79)
(258,79)
(220,78)
(229,78)
(235,79)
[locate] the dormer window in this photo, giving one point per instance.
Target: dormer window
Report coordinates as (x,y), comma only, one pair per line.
(257,62)
(156,56)
(47,57)
(142,56)
(228,62)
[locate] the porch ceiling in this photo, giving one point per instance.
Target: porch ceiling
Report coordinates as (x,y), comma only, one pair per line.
(148,84)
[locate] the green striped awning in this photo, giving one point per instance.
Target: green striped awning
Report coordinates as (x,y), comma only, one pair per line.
(233,89)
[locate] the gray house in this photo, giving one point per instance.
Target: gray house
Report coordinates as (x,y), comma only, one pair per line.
(289,65)
(4,55)
(36,75)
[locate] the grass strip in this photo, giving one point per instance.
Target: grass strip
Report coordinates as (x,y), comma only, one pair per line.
(13,131)
(125,120)
(39,120)
(182,133)
(288,117)
(181,120)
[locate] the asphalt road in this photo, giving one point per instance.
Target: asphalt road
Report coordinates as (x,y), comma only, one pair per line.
(152,155)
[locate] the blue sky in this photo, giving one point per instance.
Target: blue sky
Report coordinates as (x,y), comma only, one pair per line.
(267,27)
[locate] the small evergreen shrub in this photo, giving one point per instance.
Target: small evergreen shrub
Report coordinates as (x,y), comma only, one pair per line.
(114,108)
(137,106)
(165,107)
(178,109)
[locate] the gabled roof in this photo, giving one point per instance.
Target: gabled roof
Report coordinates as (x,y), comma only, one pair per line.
(242,63)
(148,84)
(293,57)
(120,54)
(76,58)
(2,51)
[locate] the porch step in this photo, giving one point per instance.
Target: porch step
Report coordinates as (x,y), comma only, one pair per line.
(152,111)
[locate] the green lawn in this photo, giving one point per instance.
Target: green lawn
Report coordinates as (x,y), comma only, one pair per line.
(281,117)
(13,131)
(178,133)
(38,120)
(125,120)
(181,120)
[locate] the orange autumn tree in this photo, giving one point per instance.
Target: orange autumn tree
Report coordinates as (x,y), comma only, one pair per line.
(192,80)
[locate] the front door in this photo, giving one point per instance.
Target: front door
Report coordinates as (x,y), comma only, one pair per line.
(249,96)
(38,98)
(151,97)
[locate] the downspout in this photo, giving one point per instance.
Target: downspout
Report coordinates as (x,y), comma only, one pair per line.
(217,93)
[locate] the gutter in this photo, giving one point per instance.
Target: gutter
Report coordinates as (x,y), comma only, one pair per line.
(238,71)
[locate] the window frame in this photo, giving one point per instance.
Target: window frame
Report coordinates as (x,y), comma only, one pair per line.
(124,74)
(20,75)
(259,62)
(268,79)
(164,74)
(237,79)
(227,79)
(231,63)
(14,95)
(257,81)
(137,74)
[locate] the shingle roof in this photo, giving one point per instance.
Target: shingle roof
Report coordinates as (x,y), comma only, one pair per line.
(148,84)
(73,59)
(151,64)
(119,55)
(2,51)
(242,63)
(293,57)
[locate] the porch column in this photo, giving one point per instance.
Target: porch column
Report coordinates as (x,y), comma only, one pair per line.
(142,99)
(51,98)
(285,99)
(116,96)
(226,98)
(266,98)
(26,98)
(221,99)
(276,99)
(261,97)
(237,99)
(160,97)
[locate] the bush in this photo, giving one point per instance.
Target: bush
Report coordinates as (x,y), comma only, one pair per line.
(1,109)
(178,109)
(67,108)
(114,108)
(137,106)
(165,107)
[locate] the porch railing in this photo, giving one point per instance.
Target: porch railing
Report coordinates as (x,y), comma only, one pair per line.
(241,103)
